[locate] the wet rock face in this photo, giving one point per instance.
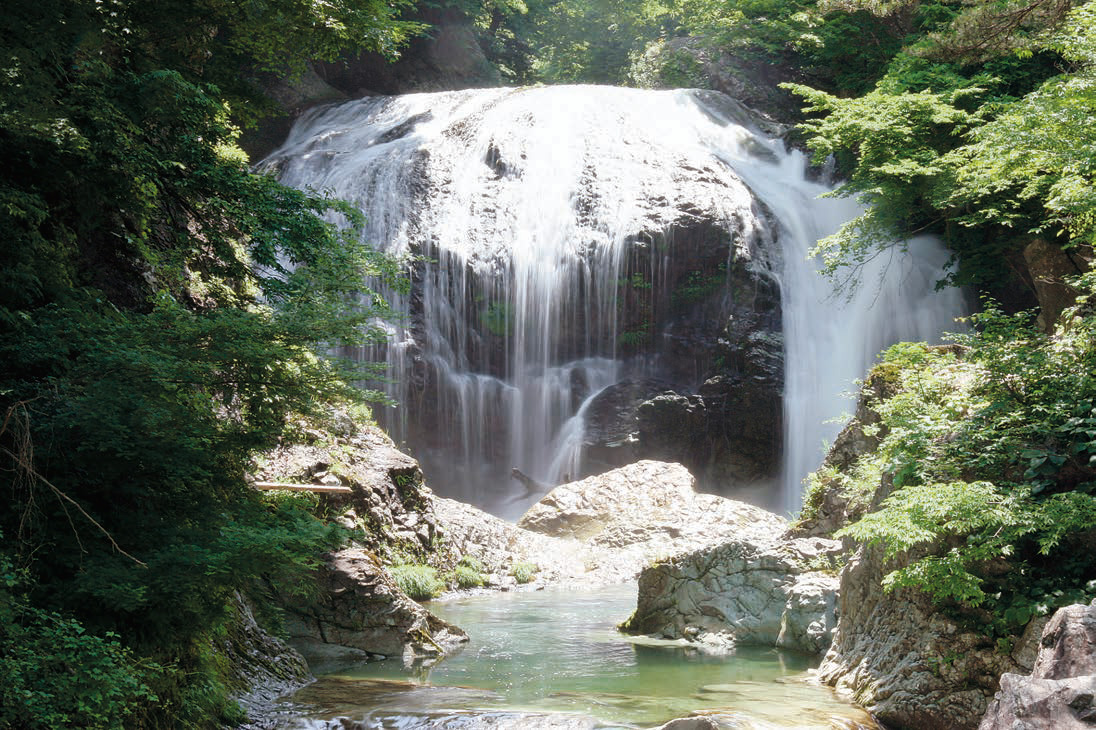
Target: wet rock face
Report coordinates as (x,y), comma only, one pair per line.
(562,240)
(1060,694)
(764,591)
(714,401)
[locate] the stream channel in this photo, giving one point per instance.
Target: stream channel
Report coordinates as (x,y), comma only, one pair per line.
(553,659)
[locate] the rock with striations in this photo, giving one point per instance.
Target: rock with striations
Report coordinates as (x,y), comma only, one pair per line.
(603,529)
(388,505)
(1060,694)
(261,667)
(649,506)
(911,666)
(361,608)
(765,591)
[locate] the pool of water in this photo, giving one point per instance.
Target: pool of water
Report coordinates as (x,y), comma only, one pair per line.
(554,659)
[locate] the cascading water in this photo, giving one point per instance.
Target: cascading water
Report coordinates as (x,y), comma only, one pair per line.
(550,225)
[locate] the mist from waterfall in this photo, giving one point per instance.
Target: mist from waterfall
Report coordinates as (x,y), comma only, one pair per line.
(521,203)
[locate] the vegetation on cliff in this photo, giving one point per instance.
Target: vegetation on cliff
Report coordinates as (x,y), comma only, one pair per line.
(987,462)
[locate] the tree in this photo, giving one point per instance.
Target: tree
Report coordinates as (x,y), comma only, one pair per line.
(162,313)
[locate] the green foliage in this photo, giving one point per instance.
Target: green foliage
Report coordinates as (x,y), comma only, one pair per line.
(54,673)
(497,319)
(466,577)
(469,572)
(900,172)
(944,144)
(992,452)
(471,562)
(420,582)
(1034,166)
(523,572)
(635,337)
(698,285)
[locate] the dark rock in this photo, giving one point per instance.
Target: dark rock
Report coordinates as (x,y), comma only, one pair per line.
(1049,266)
(262,668)
(612,428)
(448,56)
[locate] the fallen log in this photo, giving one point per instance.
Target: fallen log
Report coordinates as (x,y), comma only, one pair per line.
(321,488)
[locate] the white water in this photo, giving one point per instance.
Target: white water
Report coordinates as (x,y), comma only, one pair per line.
(522,201)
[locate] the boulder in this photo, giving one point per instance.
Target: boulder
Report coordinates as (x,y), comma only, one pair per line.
(763,591)
(1059,694)
(499,545)
(603,529)
(649,503)
(358,605)
(1050,268)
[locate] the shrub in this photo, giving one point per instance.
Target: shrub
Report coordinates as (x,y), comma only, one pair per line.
(472,563)
(992,453)
(420,582)
(467,577)
(55,673)
(523,572)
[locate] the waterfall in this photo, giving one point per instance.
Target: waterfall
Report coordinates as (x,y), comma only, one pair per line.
(558,231)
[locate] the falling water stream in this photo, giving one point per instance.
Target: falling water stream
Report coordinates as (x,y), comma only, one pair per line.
(524,204)
(526,209)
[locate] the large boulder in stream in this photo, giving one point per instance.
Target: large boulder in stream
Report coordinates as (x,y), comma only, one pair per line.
(604,529)
(768,592)
(631,516)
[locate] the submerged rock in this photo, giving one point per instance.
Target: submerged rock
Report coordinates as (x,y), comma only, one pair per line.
(757,591)
(1060,694)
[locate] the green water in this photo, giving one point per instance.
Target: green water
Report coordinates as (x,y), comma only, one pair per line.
(533,655)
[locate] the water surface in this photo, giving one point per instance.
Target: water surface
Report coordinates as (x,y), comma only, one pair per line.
(535,655)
